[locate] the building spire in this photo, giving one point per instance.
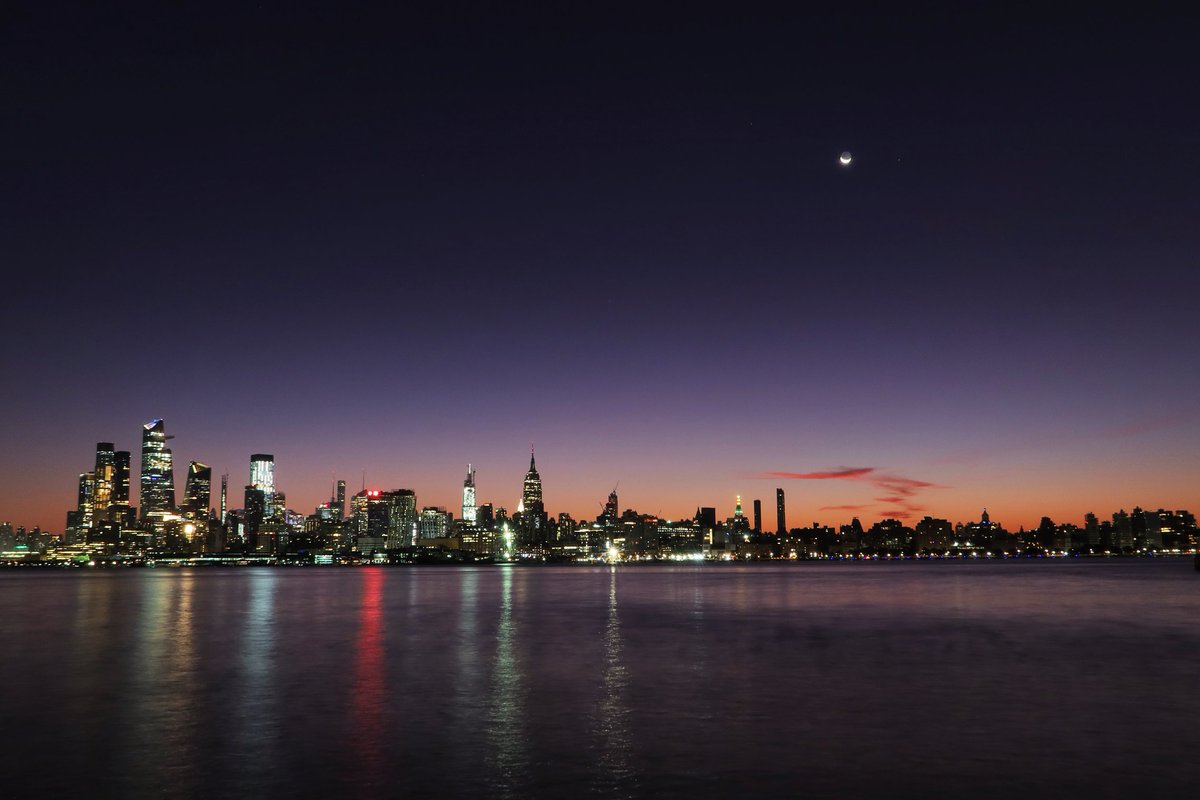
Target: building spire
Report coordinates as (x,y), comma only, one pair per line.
(532,465)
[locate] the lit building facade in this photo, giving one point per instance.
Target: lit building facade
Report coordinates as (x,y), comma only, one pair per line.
(105,477)
(157,481)
(468,498)
(120,487)
(197,491)
(262,477)
(533,511)
(84,508)
(371,513)
(401,517)
(434,523)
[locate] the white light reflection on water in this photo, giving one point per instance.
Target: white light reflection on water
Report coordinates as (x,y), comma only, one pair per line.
(611,722)
(506,712)
(465,713)
(159,748)
(255,734)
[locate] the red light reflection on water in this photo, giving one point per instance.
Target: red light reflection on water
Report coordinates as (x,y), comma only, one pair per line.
(368,690)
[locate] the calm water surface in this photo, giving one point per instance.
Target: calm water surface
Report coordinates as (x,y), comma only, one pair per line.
(1044,679)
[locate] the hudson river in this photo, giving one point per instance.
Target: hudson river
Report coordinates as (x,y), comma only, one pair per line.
(1042,679)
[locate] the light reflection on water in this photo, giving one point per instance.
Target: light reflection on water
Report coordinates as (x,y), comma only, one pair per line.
(611,723)
(254,765)
(157,736)
(368,742)
(871,680)
(506,709)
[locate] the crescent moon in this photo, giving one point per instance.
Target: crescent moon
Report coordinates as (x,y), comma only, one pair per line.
(845,158)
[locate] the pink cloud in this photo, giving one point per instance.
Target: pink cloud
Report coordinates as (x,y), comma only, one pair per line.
(841,473)
(898,492)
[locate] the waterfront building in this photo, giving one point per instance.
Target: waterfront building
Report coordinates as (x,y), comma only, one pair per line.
(434,523)
(401,529)
(482,541)
(780,514)
(758,516)
(157,479)
(933,535)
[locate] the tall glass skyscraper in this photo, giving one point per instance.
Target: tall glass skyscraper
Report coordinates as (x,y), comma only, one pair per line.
(197,491)
(105,477)
(401,517)
(158,474)
(84,509)
(120,489)
(262,477)
(468,501)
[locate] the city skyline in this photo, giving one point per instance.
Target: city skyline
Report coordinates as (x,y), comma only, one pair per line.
(537,400)
(904,498)
(391,241)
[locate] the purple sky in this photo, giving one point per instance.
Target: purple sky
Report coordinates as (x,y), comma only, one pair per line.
(393,243)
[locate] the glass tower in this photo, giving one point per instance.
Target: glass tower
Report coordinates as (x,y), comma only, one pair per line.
(198,490)
(106,474)
(158,475)
(120,488)
(468,500)
(262,477)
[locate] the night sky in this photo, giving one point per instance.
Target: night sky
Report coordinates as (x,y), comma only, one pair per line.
(396,243)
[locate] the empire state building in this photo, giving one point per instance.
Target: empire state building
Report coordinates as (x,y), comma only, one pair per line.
(533,512)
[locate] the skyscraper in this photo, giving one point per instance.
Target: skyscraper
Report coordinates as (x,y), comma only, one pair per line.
(612,509)
(533,512)
(84,507)
(341,499)
(531,495)
(758,516)
(401,513)
(254,509)
(468,499)
(120,489)
(158,474)
(262,477)
(105,476)
(781,515)
(197,491)
(224,493)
